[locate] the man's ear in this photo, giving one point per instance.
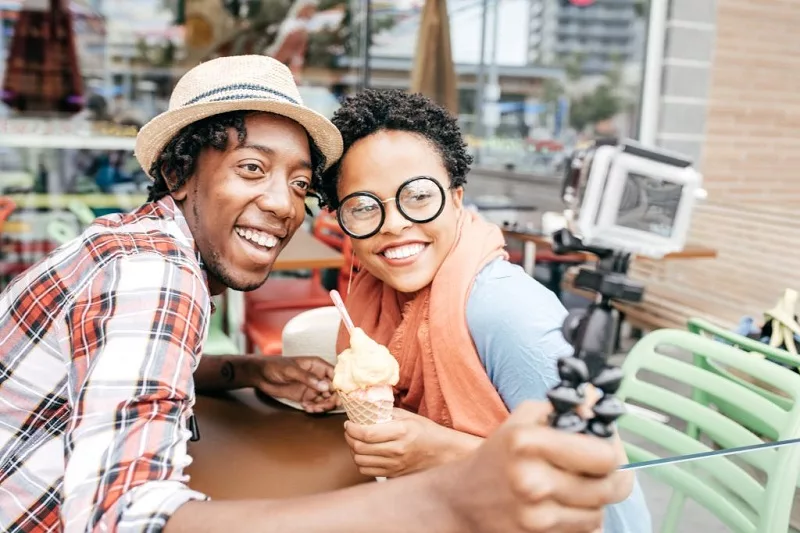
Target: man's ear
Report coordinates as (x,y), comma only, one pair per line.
(179,194)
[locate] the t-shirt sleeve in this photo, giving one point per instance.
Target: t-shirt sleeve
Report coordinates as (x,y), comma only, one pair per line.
(515,324)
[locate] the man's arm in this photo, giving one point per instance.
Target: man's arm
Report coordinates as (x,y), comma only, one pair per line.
(135,333)
(526,477)
(227,372)
(414,503)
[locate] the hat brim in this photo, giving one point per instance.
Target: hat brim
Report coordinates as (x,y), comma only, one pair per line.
(154,136)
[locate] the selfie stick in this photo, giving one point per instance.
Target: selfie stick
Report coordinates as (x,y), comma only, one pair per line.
(593,334)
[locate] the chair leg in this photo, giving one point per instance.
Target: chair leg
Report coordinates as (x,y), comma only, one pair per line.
(556,275)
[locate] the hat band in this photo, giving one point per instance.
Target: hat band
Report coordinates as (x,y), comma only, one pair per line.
(216,95)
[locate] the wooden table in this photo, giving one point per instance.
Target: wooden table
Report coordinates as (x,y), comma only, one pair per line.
(532,240)
(304,251)
(250,448)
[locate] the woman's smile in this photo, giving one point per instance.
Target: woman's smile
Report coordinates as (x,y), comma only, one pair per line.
(403,254)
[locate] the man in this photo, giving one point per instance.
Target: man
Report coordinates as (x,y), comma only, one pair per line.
(102,340)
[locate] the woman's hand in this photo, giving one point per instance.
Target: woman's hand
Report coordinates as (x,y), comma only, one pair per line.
(409,443)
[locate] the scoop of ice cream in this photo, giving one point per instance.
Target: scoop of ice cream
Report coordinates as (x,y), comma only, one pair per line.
(364,364)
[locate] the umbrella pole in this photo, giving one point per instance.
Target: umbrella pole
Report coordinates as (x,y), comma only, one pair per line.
(480,76)
(365,73)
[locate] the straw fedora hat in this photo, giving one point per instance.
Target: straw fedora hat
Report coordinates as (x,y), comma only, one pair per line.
(235,83)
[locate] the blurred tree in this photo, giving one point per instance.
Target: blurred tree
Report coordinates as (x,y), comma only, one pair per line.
(552,90)
(596,106)
(573,66)
(642,8)
(326,46)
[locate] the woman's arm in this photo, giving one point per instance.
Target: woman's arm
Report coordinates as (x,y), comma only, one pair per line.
(515,323)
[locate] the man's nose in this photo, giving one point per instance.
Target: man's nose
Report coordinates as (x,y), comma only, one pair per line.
(277,198)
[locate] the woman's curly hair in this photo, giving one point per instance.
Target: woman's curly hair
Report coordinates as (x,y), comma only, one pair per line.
(371,110)
(179,156)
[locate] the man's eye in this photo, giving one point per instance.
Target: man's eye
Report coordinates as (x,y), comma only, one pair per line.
(303,184)
(251,167)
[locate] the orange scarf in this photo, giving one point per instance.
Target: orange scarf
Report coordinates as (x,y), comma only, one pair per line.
(441,374)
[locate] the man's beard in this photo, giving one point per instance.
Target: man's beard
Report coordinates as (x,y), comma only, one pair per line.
(214,268)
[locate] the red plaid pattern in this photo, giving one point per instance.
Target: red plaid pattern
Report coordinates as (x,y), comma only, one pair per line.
(98,343)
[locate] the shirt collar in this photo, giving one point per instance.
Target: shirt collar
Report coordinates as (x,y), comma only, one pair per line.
(170,210)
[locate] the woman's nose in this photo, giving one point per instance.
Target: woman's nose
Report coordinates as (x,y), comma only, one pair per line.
(394,223)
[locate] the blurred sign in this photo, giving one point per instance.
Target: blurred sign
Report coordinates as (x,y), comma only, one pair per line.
(492,92)
(581,3)
(491,114)
(24,126)
(561,115)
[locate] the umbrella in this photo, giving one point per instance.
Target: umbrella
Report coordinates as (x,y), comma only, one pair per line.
(434,73)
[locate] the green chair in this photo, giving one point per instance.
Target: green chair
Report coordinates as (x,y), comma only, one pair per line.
(751,421)
(84,213)
(60,231)
(217,342)
(717,483)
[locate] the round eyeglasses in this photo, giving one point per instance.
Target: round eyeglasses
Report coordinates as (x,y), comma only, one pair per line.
(362,214)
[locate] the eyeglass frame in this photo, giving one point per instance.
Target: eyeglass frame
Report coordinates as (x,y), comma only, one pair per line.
(382,204)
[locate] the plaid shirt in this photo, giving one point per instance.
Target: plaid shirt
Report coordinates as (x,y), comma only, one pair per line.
(98,343)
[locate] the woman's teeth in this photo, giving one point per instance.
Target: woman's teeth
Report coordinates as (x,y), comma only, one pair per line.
(258,237)
(401,252)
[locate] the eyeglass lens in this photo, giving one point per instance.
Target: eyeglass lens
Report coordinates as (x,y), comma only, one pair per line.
(419,200)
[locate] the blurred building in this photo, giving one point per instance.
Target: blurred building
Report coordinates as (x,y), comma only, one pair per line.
(604,33)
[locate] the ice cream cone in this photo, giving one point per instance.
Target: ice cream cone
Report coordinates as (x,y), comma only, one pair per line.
(368,406)
(364,377)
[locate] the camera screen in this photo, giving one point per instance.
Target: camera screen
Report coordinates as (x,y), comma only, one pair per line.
(649,204)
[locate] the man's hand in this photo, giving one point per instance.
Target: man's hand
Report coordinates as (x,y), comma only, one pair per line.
(532,478)
(306,380)
(409,443)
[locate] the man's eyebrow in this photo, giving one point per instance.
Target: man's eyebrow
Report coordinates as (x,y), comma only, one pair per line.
(266,150)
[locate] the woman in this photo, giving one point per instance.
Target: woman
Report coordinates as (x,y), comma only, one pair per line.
(473,334)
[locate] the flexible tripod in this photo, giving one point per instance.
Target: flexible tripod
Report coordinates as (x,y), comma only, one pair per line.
(593,334)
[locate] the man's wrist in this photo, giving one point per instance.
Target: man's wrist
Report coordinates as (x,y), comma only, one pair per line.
(227,372)
(250,369)
(445,489)
(457,445)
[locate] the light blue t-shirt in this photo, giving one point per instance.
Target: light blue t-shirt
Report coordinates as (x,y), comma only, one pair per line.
(515,323)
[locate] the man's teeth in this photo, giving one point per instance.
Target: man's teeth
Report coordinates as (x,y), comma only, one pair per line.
(258,237)
(401,252)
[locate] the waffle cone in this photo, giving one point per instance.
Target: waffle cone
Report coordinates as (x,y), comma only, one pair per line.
(366,412)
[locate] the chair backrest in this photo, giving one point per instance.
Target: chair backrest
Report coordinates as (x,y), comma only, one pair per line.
(717,483)
(759,349)
(60,231)
(85,215)
(312,332)
(7,206)
(326,228)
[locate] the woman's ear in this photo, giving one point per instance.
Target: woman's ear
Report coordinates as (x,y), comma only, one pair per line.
(458,196)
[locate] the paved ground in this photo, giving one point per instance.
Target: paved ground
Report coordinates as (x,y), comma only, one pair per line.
(544,194)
